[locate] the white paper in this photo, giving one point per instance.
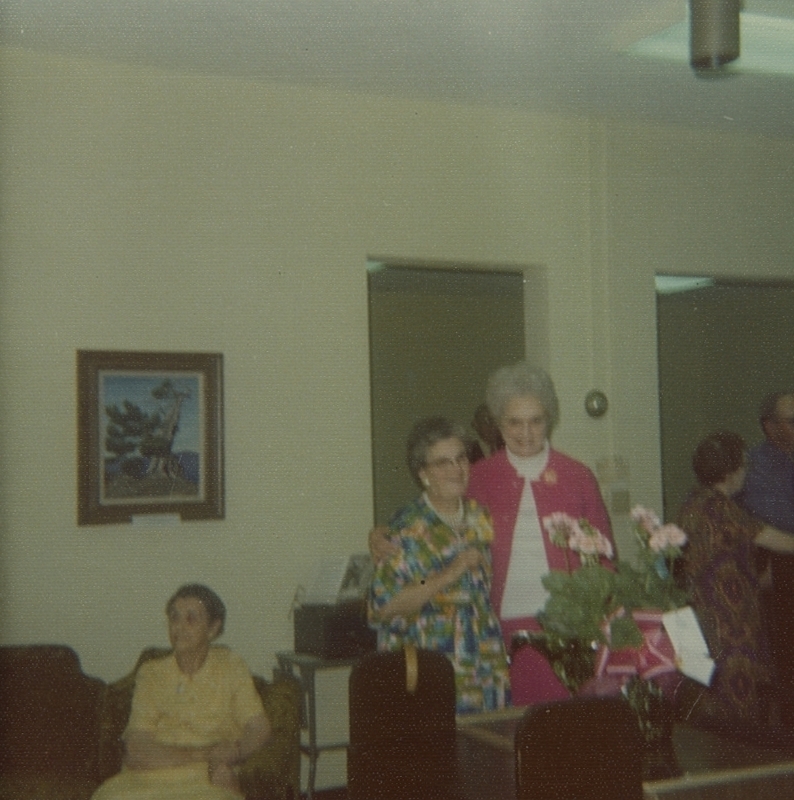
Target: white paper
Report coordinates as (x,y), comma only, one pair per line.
(327,581)
(357,577)
(692,652)
(341,578)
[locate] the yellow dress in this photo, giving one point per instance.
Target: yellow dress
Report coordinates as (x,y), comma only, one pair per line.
(198,710)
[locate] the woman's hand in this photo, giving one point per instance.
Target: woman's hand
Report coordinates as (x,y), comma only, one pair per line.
(143,751)
(256,734)
(224,754)
(220,769)
(410,600)
(381,547)
(470,559)
(225,777)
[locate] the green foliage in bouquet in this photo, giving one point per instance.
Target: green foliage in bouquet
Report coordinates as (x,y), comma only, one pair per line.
(647,702)
(579,603)
(571,659)
(592,605)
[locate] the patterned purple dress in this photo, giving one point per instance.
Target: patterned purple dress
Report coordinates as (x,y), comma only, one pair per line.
(722,579)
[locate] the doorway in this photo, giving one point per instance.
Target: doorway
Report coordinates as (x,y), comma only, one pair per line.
(723,345)
(436,333)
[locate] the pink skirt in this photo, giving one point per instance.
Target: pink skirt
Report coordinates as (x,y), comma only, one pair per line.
(532,680)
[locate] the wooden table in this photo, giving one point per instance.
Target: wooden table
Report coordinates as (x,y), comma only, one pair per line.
(713,766)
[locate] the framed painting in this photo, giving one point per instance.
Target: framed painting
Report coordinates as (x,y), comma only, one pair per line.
(150,435)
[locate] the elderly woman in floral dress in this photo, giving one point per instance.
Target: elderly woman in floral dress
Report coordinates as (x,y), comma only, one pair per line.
(434,591)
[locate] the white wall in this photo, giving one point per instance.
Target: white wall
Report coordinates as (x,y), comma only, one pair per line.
(153,211)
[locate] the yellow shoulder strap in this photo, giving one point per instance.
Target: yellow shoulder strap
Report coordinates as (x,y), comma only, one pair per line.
(411,668)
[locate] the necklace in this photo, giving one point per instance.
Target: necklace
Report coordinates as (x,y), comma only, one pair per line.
(454,520)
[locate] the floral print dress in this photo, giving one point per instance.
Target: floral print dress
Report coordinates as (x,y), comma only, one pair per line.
(459,621)
(719,564)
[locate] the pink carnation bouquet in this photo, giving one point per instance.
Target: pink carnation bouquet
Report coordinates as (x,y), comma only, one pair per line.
(660,544)
(605,604)
(602,624)
(579,536)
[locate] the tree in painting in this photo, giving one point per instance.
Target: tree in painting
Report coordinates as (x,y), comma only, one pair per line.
(142,446)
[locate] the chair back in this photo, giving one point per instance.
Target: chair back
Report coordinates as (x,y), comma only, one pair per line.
(584,748)
(402,727)
(49,721)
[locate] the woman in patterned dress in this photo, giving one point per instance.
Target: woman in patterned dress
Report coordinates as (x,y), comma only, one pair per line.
(434,591)
(722,579)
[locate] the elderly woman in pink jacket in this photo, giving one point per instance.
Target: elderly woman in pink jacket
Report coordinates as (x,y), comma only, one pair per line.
(522,484)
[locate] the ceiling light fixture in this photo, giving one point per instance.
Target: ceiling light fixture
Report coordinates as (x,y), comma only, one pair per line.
(713,34)
(767,44)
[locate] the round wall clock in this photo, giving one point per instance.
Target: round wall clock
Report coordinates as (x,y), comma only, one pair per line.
(596,403)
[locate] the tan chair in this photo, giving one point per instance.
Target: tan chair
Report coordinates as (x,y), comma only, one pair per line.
(60,730)
(272,773)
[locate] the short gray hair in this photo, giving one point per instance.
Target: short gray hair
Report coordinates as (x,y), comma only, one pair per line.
(520,380)
(213,605)
(424,435)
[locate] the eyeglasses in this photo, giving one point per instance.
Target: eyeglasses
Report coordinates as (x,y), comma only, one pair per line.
(516,423)
(785,420)
(449,463)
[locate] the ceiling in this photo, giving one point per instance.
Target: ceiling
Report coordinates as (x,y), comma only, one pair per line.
(554,54)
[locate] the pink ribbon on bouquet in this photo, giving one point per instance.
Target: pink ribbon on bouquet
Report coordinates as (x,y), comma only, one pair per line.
(654,657)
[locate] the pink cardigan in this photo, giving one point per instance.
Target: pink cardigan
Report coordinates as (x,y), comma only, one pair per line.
(565,485)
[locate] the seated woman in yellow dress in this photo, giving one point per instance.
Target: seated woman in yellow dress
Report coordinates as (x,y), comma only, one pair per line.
(195,712)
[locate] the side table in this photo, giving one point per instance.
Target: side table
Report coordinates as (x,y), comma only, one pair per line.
(304,667)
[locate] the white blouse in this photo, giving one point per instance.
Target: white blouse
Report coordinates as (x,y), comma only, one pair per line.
(524,594)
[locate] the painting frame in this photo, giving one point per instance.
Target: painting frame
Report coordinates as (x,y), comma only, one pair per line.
(131,408)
